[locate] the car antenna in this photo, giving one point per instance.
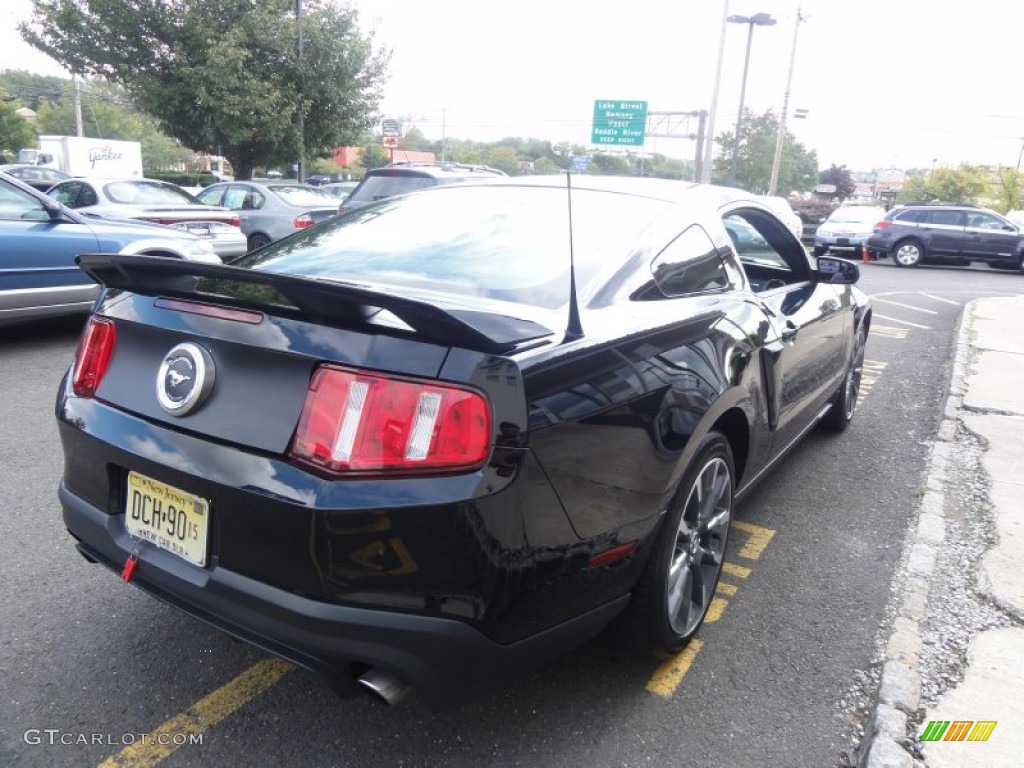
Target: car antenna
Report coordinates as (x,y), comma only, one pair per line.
(574,330)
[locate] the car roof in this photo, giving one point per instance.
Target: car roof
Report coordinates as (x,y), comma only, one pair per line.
(18,166)
(435,170)
(100,180)
(669,190)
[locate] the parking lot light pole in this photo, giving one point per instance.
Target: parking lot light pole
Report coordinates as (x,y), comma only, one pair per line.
(761,20)
(781,137)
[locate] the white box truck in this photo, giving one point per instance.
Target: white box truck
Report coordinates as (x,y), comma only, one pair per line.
(81,156)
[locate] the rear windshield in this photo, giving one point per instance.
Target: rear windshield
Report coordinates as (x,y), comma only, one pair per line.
(147,193)
(380,187)
(856,214)
(293,194)
(509,242)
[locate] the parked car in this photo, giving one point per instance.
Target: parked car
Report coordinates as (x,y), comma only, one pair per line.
(1016,217)
(270,209)
(846,229)
(34,175)
(942,233)
(400,178)
(39,239)
(159,202)
(784,211)
(433,459)
(340,189)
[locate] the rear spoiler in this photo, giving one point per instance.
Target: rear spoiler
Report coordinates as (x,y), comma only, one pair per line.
(321,301)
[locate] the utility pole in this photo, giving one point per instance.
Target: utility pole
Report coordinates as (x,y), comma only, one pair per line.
(705,171)
(300,172)
(444,131)
(77,98)
(780,139)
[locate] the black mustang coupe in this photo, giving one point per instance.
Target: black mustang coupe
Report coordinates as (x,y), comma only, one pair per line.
(442,439)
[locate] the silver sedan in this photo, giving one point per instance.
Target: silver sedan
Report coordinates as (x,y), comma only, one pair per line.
(271,208)
(158,202)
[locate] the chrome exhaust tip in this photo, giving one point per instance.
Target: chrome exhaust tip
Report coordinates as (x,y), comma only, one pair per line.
(384,685)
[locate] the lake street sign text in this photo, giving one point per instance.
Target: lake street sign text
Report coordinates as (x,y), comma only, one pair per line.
(619,121)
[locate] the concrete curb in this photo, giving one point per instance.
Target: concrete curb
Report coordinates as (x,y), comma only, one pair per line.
(899,694)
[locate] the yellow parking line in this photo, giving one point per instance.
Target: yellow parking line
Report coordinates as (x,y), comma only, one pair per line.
(202,715)
(726,589)
(888,330)
(757,539)
(716,609)
(735,570)
(667,677)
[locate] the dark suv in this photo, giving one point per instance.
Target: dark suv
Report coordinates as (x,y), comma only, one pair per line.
(399,178)
(942,233)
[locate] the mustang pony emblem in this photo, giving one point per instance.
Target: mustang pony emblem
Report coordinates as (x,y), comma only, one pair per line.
(185,379)
(176,378)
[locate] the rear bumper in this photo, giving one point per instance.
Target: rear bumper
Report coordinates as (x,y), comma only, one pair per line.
(447,661)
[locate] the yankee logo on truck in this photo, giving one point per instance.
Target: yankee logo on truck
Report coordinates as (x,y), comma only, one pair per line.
(84,156)
(104,153)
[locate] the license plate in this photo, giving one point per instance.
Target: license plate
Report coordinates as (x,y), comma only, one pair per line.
(167,517)
(199,229)
(842,241)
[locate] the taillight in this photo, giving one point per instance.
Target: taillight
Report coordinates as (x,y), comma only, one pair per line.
(883,224)
(94,351)
(341,210)
(358,422)
(303,221)
(235,221)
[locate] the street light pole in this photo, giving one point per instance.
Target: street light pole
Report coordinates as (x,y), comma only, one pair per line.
(760,19)
(300,170)
(777,162)
(709,134)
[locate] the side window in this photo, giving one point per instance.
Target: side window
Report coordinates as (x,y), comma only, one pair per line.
(769,257)
(690,264)
(255,199)
(945,218)
(910,217)
(235,197)
(67,194)
(17,204)
(87,196)
(981,220)
(211,196)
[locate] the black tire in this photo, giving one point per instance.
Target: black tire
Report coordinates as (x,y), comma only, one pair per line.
(844,403)
(678,584)
(908,253)
(258,241)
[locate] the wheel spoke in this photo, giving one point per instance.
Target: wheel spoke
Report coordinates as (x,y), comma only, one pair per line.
(680,594)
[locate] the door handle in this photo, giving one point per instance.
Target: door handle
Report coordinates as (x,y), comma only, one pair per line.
(790,331)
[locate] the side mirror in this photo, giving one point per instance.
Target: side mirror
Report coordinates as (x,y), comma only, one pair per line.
(53,208)
(837,271)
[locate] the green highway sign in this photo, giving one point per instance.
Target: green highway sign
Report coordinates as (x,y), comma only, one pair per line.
(619,121)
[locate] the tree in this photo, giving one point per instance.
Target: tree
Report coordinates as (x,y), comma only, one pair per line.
(503,158)
(797,171)
(373,155)
(224,75)
(1009,190)
(31,89)
(609,164)
(840,178)
(965,184)
(15,131)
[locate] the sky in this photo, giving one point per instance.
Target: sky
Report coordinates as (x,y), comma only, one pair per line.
(886,83)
